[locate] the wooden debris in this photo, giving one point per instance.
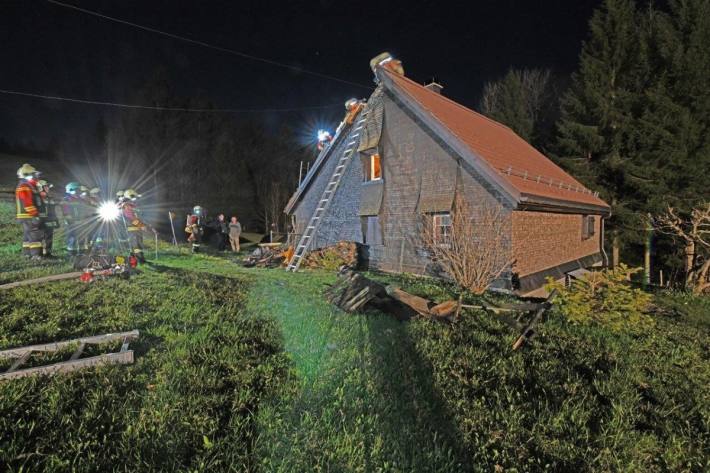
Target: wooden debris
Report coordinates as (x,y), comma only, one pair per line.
(529,330)
(343,253)
(354,292)
(267,255)
(42,280)
(75,362)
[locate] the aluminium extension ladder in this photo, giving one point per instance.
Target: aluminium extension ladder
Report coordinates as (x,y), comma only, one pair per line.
(307,238)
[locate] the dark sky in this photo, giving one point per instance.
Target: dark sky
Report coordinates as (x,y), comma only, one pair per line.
(51,50)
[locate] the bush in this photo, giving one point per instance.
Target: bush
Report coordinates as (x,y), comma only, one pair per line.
(605,297)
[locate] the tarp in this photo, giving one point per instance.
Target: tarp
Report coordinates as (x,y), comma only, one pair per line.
(371,132)
(371,198)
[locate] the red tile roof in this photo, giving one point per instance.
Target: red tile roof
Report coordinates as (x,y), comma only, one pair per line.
(524,167)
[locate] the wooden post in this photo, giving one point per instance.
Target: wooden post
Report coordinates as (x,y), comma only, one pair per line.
(615,250)
(647,254)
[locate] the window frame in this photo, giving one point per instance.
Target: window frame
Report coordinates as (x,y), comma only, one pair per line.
(436,219)
(371,175)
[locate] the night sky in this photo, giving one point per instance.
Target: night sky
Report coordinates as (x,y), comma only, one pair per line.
(51,50)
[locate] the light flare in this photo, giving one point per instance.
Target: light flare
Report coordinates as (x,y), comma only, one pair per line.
(108,211)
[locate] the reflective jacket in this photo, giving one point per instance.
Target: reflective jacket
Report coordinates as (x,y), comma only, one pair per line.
(71,209)
(26,200)
(130,215)
(48,210)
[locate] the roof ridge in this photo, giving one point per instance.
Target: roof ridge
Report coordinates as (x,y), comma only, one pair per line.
(453,102)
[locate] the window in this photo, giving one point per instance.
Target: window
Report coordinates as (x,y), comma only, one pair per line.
(371,230)
(442,228)
(587,226)
(372,168)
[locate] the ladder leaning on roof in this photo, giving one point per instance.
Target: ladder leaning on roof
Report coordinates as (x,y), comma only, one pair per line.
(307,238)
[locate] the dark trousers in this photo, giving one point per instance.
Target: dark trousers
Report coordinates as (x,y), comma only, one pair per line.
(48,240)
(32,235)
(71,238)
(136,239)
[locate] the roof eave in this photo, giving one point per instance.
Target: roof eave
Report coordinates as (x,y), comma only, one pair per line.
(547,204)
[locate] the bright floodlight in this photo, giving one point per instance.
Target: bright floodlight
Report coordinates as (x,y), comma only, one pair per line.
(323,135)
(109,211)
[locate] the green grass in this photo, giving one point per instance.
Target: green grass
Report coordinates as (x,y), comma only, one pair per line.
(251,369)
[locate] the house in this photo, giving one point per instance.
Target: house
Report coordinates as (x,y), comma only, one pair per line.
(408,151)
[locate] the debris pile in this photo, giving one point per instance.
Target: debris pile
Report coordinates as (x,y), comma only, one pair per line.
(266,255)
(354,292)
(343,253)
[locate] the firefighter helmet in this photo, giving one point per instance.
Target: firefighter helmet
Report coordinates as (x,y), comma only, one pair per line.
(27,171)
(131,194)
(199,211)
(84,190)
(72,188)
(351,104)
(94,191)
(42,184)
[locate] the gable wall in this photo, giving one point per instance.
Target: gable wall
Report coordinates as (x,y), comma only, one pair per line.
(413,160)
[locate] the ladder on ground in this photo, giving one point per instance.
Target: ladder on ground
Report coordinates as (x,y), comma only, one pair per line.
(309,233)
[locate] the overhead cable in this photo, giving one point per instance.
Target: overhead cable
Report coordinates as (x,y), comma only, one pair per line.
(208,45)
(165,109)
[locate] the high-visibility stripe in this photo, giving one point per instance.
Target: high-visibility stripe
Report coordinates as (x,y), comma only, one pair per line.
(35,245)
(25,245)
(22,215)
(137,250)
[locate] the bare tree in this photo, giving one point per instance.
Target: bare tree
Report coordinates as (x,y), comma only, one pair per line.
(471,246)
(695,233)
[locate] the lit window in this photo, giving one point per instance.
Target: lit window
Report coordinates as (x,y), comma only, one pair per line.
(442,228)
(375,168)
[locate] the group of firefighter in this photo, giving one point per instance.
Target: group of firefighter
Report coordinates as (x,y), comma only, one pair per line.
(84,231)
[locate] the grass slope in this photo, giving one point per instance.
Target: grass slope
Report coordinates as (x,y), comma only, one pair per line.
(276,379)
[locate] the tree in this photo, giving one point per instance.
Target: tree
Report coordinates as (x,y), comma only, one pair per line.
(695,233)
(473,251)
(524,100)
(597,134)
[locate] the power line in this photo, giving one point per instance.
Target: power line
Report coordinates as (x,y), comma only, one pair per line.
(165,109)
(208,45)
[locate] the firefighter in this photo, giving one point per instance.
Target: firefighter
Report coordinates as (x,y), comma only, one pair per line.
(96,237)
(324,139)
(28,205)
(72,216)
(194,231)
(134,225)
(87,220)
(48,216)
(194,227)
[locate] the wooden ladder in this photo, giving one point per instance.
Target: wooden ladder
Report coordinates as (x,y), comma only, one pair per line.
(307,238)
(22,354)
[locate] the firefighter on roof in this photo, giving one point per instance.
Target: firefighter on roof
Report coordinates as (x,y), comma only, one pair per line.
(134,225)
(28,203)
(48,216)
(72,216)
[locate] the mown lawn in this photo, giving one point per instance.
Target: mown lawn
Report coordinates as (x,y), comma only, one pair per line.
(252,370)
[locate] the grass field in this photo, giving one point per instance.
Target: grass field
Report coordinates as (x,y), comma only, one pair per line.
(252,370)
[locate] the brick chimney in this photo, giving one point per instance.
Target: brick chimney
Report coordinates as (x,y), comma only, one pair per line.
(434,86)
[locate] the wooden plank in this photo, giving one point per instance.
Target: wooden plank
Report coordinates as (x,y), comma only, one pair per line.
(121,358)
(529,332)
(56,346)
(42,280)
(419,304)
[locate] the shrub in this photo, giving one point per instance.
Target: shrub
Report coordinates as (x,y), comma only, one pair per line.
(604,297)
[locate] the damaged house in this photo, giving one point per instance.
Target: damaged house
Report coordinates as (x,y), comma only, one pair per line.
(407,152)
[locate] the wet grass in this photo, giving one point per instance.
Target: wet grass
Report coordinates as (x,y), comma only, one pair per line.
(252,370)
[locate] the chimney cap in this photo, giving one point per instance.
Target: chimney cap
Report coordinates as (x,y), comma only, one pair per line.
(434,85)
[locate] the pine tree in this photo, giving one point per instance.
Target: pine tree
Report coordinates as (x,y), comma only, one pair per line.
(597,134)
